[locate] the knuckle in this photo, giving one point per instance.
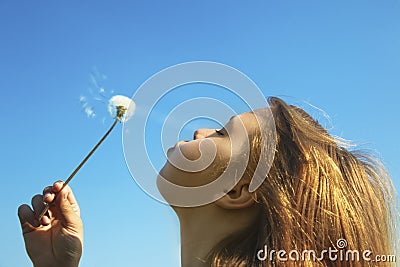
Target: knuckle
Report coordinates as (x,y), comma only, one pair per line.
(47,189)
(59,182)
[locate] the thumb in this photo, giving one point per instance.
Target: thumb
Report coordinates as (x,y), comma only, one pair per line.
(67,208)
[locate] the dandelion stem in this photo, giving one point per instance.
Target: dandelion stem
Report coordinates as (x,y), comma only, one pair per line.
(47,205)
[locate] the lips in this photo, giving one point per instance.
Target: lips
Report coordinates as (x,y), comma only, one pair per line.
(169,151)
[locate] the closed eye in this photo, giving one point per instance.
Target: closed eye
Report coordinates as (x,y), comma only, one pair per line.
(219,132)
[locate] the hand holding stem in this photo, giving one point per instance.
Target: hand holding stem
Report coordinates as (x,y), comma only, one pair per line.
(53,229)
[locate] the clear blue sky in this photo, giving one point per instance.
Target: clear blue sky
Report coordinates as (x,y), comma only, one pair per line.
(342,56)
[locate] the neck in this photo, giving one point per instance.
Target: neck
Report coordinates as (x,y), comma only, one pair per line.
(199,235)
(202,229)
(194,250)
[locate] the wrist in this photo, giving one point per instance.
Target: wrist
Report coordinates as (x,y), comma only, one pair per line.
(57,265)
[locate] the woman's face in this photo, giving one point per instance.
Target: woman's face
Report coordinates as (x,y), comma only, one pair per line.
(202,160)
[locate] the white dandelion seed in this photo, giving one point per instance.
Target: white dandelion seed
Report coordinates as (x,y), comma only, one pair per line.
(90,112)
(121,101)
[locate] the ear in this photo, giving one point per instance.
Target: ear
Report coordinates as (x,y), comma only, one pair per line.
(238,198)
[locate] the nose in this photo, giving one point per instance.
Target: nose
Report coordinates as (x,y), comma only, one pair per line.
(203,133)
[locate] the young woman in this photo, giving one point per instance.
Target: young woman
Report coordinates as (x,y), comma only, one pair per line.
(315,194)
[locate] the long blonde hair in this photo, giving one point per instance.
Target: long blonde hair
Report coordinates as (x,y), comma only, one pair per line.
(316,193)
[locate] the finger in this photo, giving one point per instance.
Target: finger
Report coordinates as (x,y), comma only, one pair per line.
(65,203)
(57,186)
(45,220)
(67,189)
(27,218)
(38,204)
(48,194)
(67,210)
(48,198)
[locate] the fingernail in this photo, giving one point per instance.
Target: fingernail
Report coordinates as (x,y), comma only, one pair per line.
(46,196)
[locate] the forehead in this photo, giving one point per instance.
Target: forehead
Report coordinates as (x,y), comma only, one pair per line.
(249,120)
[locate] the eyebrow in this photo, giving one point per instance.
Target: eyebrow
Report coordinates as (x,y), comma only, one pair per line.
(229,121)
(232,120)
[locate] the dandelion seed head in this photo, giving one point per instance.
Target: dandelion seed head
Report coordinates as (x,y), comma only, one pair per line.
(118,101)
